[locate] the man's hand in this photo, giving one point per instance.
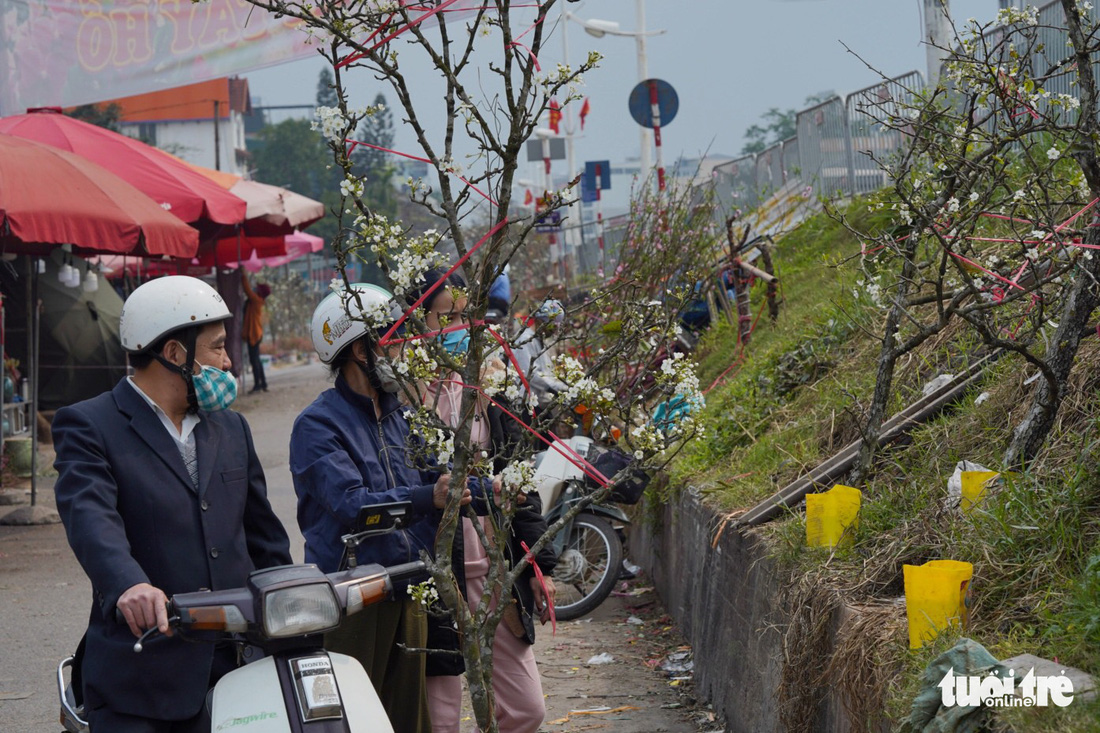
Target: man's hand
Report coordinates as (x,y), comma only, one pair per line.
(443,487)
(541,599)
(144,607)
(498,487)
(490,368)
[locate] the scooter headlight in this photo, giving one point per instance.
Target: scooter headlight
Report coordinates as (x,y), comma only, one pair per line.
(299,610)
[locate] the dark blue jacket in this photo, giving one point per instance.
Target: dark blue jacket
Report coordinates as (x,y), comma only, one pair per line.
(133,516)
(342,458)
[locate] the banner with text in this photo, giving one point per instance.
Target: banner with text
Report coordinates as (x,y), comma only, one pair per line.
(62,53)
(70,52)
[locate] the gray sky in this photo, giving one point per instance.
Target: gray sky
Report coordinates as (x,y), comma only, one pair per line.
(729,60)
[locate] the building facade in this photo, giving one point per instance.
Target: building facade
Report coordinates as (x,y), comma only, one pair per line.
(202,123)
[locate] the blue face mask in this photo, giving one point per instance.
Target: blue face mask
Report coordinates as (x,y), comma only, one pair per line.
(456,342)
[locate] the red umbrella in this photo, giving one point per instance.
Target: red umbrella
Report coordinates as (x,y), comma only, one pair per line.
(190,196)
(223,252)
(256,253)
(50,197)
(272,211)
(271,251)
(298,245)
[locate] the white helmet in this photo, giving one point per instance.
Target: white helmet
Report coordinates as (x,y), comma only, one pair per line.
(166,304)
(338,320)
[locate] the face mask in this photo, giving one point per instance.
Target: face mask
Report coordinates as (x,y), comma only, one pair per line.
(456,342)
(214,389)
(383,374)
(387,377)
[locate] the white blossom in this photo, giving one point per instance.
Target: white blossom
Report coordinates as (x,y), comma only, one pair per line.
(519,477)
(1069,101)
(424,593)
(331,122)
(351,186)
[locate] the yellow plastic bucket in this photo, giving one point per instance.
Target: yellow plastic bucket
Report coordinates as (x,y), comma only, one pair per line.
(829,516)
(974,485)
(936,598)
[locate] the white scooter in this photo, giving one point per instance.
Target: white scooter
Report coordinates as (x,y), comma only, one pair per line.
(296,686)
(590,547)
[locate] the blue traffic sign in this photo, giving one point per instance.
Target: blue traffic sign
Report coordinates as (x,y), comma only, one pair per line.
(641,109)
(597,175)
(549,222)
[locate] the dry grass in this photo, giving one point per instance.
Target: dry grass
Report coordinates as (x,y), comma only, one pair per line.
(806,643)
(864,661)
(1027,542)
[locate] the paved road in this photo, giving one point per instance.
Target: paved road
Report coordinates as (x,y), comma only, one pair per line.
(44,601)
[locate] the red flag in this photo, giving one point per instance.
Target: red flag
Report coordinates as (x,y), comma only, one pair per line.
(585,109)
(529,198)
(555,116)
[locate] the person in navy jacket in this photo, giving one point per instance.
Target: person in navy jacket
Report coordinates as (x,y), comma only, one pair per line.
(161,492)
(352,448)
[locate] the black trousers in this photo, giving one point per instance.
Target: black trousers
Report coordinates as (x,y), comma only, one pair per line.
(258,379)
(103,719)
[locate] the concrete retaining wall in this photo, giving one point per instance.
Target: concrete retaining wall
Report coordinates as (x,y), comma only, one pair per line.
(726,597)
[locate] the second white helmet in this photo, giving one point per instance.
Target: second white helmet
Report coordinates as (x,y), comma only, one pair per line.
(167,304)
(343,317)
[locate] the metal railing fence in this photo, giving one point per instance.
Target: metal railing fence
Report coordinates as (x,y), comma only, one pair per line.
(838,141)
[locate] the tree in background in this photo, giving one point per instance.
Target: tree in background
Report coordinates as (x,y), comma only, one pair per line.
(102,115)
(375,166)
(291,155)
(326,89)
(777,125)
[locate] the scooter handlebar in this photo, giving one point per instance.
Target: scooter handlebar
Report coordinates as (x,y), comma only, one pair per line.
(406,570)
(139,645)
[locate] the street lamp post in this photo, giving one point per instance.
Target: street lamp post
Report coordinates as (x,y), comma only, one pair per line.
(643,74)
(574,217)
(600,28)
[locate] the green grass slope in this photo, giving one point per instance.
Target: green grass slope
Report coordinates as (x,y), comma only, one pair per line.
(798,394)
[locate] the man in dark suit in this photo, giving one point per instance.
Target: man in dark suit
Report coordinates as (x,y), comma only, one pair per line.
(161,492)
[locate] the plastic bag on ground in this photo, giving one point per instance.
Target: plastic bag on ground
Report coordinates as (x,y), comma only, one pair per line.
(936,383)
(954,484)
(603,658)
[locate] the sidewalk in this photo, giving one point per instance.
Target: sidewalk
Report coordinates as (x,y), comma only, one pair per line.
(632,693)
